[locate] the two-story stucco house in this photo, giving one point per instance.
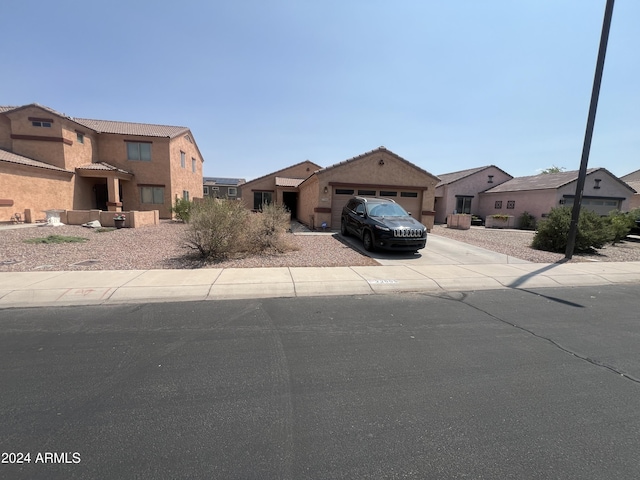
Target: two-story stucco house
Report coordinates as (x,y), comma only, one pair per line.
(219,187)
(49,160)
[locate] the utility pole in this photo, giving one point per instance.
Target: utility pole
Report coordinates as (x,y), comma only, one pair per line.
(586,147)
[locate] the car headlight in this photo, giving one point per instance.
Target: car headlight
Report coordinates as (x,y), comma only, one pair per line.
(383,228)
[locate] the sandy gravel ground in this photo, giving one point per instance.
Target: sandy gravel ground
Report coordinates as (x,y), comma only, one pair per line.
(162,247)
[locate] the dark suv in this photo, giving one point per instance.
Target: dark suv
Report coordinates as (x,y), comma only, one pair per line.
(382,223)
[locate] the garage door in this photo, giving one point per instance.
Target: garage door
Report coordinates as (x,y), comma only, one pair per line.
(410,200)
(602,206)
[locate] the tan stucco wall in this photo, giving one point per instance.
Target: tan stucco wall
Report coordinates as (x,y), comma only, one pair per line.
(113,150)
(34,188)
(308,199)
(51,152)
(185,178)
(5,133)
(367,171)
(471,185)
(268,182)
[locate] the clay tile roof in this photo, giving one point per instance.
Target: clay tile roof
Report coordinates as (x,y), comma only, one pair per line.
(20,160)
(104,166)
(288,182)
(130,128)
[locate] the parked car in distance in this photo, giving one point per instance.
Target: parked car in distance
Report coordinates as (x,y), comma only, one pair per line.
(382,223)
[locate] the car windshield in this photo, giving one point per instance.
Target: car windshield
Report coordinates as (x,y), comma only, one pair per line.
(386,210)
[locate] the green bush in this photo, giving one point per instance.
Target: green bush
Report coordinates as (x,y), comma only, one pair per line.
(620,224)
(527,221)
(182,209)
(593,231)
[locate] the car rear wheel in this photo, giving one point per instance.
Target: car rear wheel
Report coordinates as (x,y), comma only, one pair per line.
(367,241)
(343,229)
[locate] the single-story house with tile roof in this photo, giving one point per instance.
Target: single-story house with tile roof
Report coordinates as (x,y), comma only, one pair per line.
(49,160)
(457,192)
(633,180)
(316,195)
(538,194)
(280,187)
(219,187)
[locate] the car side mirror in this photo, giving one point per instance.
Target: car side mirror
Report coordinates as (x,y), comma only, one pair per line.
(409,213)
(360,214)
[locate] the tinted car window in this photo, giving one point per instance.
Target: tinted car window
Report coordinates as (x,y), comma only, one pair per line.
(360,208)
(387,210)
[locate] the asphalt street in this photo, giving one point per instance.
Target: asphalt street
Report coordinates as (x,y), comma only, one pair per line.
(536,384)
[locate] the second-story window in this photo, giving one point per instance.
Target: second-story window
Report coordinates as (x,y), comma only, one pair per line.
(139,151)
(183,160)
(193,165)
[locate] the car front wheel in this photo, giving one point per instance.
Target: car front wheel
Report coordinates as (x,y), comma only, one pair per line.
(343,229)
(367,241)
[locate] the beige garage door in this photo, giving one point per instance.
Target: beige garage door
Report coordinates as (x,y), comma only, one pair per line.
(410,200)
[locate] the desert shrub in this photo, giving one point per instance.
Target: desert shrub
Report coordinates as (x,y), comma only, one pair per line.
(266,229)
(620,224)
(182,209)
(527,221)
(216,227)
(593,231)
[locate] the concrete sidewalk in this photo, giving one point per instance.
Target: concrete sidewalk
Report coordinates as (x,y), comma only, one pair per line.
(36,289)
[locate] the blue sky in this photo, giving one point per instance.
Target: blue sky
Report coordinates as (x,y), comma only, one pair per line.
(263,84)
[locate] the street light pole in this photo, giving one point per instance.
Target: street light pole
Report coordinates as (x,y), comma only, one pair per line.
(586,147)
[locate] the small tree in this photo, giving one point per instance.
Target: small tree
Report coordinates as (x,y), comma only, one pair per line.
(527,221)
(553,169)
(182,209)
(593,231)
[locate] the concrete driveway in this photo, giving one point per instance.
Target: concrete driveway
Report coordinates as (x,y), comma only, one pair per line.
(439,251)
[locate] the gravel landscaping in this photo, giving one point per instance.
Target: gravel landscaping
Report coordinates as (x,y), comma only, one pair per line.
(162,247)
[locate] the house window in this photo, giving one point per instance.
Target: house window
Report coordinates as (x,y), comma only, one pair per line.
(498,205)
(511,204)
(232,191)
(193,165)
(344,191)
(80,137)
(185,195)
(261,198)
(597,185)
(183,160)
(370,193)
(490,179)
(463,204)
(153,195)
(409,194)
(39,123)
(205,190)
(139,151)
(386,193)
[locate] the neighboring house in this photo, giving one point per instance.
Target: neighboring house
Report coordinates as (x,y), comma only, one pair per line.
(457,192)
(49,160)
(280,187)
(315,195)
(217,187)
(537,195)
(633,180)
